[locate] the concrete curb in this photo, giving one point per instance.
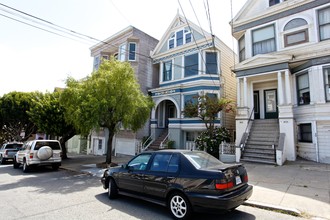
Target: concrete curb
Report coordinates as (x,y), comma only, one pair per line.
(290,211)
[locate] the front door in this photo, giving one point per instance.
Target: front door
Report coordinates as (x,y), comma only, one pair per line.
(170,113)
(256,102)
(271,104)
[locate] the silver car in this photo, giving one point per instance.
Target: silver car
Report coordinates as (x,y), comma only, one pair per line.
(39,153)
(8,150)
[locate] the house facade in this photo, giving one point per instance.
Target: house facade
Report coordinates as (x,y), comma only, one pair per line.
(134,46)
(190,62)
(284,74)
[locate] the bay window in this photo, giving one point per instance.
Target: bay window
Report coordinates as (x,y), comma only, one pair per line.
(132,49)
(241,47)
(211,62)
(167,71)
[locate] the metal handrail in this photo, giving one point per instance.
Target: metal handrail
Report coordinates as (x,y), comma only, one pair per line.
(245,134)
(146,141)
(162,143)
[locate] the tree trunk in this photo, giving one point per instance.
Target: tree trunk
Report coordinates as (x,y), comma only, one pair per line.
(64,139)
(109,149)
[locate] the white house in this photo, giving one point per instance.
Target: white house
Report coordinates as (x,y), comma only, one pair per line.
(191,62)
(283,74)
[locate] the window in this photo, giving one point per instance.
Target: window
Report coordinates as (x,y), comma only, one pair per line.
(132,49)
(241,47)
(324,23)
(122,53)
(263,40)
(305,133)
(96,62)
(100,144)
(191,65)
(327,83)
(274,2)
(167,71)
(298,36)
(303,89)
(211,63)
(179,38)
(191,101)
(105,57)
(140,162)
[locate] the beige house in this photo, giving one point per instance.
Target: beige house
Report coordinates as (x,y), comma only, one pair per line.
(283,76)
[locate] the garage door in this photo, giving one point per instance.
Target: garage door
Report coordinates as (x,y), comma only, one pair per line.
(125,146)
(323,133)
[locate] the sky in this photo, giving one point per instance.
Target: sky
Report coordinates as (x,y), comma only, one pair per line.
(34,56)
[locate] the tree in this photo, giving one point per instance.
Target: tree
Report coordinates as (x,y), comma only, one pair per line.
(48,114)
(14,119)
(110,96)
(207,108)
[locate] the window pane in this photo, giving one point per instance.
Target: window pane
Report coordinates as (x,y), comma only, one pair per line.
(122,51)
(324,22)
(167,71)
(327,83)
(171,44)
(263,34)
(188,38)
(140,162)
(174,164)
(160,162)
(179,38)
(294,23)
(263,47)
(193,99)
(191,65)
(273,2)
(305,133)
(296,38)
(303,89)
(132,51)
(211,63)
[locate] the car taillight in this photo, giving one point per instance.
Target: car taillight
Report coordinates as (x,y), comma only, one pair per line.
(246,178)
(223,184)
(31,155)
(6,152)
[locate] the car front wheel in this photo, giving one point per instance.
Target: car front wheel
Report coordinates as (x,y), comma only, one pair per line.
(112,189)
(179,206)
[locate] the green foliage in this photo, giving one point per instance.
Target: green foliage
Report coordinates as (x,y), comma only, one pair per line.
(111,95)
(14,117)
(170,144)
(211,139)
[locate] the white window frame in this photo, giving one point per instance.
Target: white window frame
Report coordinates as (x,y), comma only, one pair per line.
(318,23)
(122,52)
(274,37)
(294,31)
(174,38)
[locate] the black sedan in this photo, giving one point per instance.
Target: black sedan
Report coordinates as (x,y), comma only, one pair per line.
(184,181)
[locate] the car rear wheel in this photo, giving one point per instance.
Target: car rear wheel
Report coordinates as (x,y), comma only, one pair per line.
(55,166)
(112,189)
(179,206)
(26,167)
(15,164)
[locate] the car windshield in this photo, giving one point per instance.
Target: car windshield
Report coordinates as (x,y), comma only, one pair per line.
(202,160)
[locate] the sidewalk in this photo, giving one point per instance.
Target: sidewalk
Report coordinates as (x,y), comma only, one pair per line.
(300,187)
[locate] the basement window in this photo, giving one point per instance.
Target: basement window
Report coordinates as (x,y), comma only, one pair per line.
(305,133)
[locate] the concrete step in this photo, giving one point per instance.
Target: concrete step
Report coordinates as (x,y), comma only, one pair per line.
(259,156)
(253,160)
(259,150)
(256,142)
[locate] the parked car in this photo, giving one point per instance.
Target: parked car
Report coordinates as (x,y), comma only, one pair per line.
(39,153)
(8,150)
(182,180)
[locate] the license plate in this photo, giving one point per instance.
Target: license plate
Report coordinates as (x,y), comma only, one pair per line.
(238,180)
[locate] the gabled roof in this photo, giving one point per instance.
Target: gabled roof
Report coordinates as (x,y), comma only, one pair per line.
(178,23)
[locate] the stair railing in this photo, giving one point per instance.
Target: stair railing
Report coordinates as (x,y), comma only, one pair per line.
(246,134)
(163,142)
(274,141)
(147,142)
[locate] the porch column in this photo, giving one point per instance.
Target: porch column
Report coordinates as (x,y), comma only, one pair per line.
(245,92)
(238,92)
(280,88)
(288,88)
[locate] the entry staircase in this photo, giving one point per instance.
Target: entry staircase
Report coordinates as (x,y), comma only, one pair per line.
(262,142)
(156,144)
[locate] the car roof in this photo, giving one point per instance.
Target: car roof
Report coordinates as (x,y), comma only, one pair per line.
(173,151)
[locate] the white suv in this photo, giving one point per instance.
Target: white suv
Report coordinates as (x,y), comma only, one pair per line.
(39,153)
